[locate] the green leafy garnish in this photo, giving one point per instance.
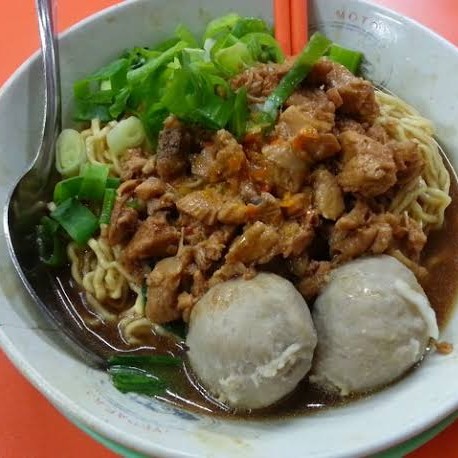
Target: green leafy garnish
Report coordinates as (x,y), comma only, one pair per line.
(181,76)
(109,199)
(136,373)
(317,47)
(347,57)
(77,220)
(135,380)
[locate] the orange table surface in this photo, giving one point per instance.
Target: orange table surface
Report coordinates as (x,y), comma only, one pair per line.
(29,425)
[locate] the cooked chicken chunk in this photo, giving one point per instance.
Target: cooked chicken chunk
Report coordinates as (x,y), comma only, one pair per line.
(328,197)
(368,166)
(152,239)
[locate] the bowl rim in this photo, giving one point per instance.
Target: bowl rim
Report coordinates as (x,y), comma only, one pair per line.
(102,428)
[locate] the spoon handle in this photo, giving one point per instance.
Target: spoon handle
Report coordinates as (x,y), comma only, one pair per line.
(50,52)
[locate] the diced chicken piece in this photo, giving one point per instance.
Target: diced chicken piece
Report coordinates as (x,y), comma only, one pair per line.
(368,166)
(123,223)
(261,80)
(233,211)
(357,94)
(173,148)
(409,160)
(265,208)
(132,163)
(316,148)
(211,250)
(150,240)
(231,270)
(164,202)
(344,123)
(163,287)
(295,237)
(349,246)
(257,245)
(248,191)
(289,171)
(362,231)
(315,106)
(358,216)
(201,205)
(378,133)
(151,187)
(222,158)
(328,197)
(185,303)
(297,204)
(308,122)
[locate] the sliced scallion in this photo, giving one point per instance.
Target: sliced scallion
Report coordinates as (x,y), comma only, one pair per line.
(67,188)
(316,48)
(109,199)
(77,220)
(94,181)
(347,57)
(70,152)
(135,380)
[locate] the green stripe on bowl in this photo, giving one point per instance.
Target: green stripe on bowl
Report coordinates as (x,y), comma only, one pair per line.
(395,452)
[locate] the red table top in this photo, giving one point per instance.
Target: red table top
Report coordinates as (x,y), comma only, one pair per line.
(29,425)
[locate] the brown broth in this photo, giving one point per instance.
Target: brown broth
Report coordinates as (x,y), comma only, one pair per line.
(440,257)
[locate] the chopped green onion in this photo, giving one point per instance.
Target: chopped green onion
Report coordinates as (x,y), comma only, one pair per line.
(347,57)
(119,103)
(246,25)
(151,66)
(263,47)
(67,188)
(143,361)
(135,380)
(70,187)
(316,48)
(233,59)
(96,93)
(94,181)
(109,199)
(113,182)
(51,249)
(77,220)
(70,152)
(239,118)
(221,25)
(128,133)
(184,34)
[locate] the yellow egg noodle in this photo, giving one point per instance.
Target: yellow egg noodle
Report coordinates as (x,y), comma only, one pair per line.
(426,198)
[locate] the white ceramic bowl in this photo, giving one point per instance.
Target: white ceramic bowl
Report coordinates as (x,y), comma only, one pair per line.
(403,56)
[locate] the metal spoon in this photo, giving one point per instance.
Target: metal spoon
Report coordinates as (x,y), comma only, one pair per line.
(27,204)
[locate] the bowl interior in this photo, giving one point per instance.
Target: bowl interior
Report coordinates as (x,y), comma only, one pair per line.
(401,56)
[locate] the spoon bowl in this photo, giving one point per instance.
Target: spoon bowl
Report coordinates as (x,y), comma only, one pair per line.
(27,203)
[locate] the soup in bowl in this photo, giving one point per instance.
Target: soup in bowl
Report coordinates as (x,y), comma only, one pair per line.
(298,235)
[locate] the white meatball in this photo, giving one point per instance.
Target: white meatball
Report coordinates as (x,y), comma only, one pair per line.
(251,341)
(373,322)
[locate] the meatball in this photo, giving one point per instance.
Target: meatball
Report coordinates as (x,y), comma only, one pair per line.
(373,322)
(251,341)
